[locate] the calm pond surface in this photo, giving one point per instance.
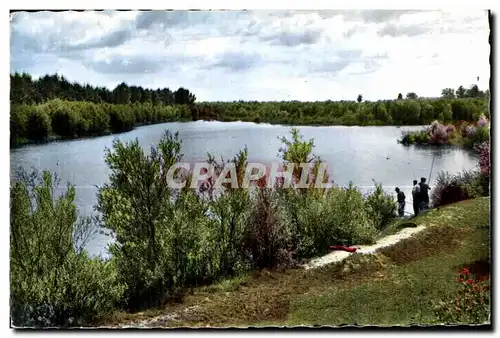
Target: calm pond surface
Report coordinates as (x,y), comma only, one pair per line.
(357,154)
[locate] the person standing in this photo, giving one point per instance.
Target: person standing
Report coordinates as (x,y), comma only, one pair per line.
(416,197)
(401,202)
(424,194)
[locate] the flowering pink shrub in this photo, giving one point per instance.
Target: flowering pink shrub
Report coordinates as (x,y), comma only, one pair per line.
(483,121)
(470,131)
(439,134)
(484,158)
(450,129)
(434,125)
(464,133)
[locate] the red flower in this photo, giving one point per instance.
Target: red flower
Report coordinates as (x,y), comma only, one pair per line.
(470,281)
(459,280)
(465,271)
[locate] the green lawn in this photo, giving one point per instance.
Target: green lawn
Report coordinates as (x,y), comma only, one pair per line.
(396,286)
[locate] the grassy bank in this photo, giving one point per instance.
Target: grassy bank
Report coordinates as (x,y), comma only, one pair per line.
(399,285)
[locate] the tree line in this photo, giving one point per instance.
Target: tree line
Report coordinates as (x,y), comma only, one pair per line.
(23,89)
(448,93)
(51,107)
(421,111)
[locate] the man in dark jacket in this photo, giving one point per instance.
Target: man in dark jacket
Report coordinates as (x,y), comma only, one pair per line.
(401,202)
(424,194)
(416,197)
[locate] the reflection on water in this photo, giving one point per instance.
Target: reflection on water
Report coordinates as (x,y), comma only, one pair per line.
(357,154)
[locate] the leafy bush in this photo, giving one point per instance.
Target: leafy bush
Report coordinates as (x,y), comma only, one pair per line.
(120,120)
(150,232)
(454,188)
(296,151)
(380,206)
(347,221)
(227,234)
(166,239)
(476,135)
(268,240)
(38,124)
(414,137)
(65,121)
(439,134)
(53,282)
(18,123)
(337,217)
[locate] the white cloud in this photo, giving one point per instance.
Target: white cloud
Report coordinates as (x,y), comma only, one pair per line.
(259,55)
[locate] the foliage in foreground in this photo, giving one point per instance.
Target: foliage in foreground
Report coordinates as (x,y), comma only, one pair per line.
(399,285)
(380,206)
(168,240)
(469,304)
(52,280)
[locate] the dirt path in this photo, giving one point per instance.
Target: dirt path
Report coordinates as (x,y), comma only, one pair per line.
(338,256)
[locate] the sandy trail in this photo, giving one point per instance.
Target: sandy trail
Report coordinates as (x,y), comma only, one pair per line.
(338,256)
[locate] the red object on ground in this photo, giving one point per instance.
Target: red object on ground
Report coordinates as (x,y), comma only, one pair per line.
(342,247)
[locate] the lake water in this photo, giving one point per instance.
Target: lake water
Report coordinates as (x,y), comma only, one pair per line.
(357,154)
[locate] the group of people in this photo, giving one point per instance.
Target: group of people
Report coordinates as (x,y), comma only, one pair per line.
(420,194)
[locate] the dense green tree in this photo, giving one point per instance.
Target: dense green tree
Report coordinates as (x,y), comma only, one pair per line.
(53,282)
(400,96)
(360,98)
(183,96)
(461,92)
(474,91)
(155,98)
(411,96)
(38,124)
(448,93)
(26,90)
(65,121)
(19,123)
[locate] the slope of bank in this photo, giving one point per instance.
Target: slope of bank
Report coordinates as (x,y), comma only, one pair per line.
(395,284)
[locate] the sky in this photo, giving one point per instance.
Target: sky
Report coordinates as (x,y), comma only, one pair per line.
(259,55)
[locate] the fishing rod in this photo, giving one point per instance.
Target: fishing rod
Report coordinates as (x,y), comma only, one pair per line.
(432,166)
